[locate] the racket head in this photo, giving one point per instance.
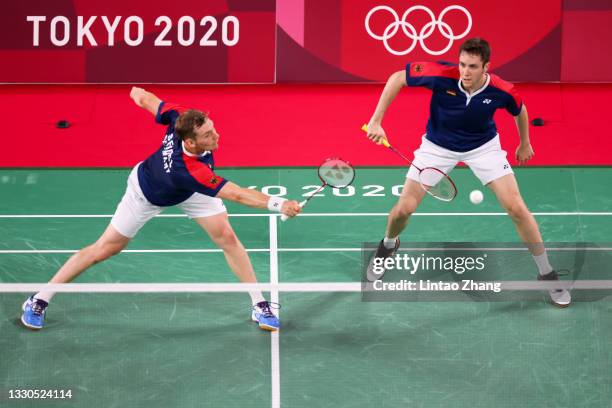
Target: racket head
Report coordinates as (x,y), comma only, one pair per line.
(437,184)
(336,172)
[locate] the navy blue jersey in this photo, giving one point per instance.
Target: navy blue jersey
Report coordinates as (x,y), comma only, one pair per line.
(458,121)
(171,175)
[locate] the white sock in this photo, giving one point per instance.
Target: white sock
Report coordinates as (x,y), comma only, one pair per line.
(256,297)
(543,265)
(46,296)
(389,243)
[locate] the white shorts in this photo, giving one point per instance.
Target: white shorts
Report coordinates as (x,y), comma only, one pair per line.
(135,210)
(488,162)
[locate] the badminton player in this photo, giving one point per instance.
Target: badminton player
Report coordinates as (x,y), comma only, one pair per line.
(461,128)
(180,173)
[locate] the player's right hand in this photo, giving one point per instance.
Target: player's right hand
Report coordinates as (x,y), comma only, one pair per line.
(135,94)
(291,208)
(376,133)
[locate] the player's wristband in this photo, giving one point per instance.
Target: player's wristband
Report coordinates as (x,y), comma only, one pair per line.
(276,203)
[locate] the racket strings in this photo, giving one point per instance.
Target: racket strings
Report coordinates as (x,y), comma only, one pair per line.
(337,173)
(437,184)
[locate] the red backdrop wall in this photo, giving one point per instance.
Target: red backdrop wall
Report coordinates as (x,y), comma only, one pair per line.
(275,125)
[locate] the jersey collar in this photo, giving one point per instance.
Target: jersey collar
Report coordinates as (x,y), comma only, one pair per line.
(479,90)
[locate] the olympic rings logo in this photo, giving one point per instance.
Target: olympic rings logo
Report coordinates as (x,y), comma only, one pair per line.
(411,32)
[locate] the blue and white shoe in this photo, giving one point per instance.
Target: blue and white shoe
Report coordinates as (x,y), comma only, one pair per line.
(262,314)
(34,310)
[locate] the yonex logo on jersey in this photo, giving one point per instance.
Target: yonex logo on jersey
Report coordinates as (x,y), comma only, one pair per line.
(411,32)
(487,101)
(451,92)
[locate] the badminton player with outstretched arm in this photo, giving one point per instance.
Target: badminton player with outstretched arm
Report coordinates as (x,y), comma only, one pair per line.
(180,173)
(461,129)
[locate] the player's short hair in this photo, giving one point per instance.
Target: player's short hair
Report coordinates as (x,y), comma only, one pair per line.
(188,122)
(477,46)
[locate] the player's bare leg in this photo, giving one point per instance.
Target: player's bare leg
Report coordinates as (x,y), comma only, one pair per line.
(409,201)
(223,235)
(507,192)
(411,197)
(110,243)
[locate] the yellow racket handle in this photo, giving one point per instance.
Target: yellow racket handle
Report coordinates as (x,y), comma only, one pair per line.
(384,141)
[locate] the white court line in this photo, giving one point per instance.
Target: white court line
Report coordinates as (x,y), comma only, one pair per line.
(432,214)
(274,336)
(128,251)
(161,251)
(320,287)
(109,215)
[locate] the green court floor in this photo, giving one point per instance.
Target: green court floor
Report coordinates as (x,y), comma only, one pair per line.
(199,349)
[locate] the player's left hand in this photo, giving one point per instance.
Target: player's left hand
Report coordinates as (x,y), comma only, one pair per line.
(524,153)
